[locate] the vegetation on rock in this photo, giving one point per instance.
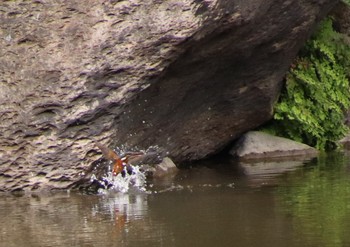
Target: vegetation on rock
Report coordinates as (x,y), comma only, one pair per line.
(312,104)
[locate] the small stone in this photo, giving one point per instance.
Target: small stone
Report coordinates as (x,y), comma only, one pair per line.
(165,168)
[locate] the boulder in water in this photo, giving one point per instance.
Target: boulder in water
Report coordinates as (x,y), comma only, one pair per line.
(260,145)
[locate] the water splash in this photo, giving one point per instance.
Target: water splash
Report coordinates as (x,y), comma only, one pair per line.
(123,182)
(132,177)
(123,149)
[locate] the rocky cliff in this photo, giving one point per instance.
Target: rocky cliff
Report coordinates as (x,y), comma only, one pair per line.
(188,76)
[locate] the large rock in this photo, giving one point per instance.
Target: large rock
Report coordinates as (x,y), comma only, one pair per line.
(341,15)
(188,76)
(259,145)
(262,157)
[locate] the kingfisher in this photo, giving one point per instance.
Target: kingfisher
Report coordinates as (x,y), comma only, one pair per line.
(118,162)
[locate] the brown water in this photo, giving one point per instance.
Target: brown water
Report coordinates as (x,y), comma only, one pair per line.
(227,206)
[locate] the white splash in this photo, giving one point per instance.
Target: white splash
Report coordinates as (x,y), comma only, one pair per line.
(135,180)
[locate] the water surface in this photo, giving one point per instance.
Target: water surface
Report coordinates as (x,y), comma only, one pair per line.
(225,204)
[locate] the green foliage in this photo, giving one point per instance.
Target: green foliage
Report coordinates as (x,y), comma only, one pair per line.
(316,95)
(346,1)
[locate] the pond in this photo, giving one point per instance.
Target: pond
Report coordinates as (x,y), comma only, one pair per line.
(221,204)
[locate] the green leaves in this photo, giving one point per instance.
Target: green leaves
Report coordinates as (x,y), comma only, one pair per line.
(346,1)
(316,94)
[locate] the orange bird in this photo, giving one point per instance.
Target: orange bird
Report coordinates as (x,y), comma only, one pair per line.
(118,162)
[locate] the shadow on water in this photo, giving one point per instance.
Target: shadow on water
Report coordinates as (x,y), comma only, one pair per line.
(226,204)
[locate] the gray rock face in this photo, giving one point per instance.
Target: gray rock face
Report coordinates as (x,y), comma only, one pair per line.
(260,145)
(341,14)
(189,76)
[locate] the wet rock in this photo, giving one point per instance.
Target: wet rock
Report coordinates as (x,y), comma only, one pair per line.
(260,145)
(188,76)
(166,168)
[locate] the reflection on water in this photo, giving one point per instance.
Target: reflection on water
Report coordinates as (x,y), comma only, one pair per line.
(227,206)
(319,202)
